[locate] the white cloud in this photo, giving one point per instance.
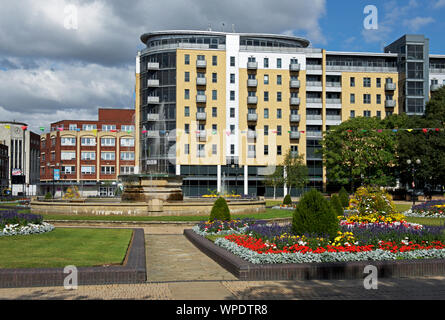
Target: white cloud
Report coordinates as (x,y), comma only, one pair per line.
(439,4)
(417,23)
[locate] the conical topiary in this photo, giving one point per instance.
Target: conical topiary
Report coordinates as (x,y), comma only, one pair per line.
(314,215)
(344,197)
(287,200)
(336,205)
(220,210)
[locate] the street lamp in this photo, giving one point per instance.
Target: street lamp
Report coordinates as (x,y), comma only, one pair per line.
(413,172)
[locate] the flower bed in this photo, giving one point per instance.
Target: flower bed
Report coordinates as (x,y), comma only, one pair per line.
(13,223)
(429,209)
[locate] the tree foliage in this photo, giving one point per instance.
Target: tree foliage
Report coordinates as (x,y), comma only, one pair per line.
(297,173)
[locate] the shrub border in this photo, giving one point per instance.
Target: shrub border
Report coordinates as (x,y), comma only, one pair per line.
(133,270)
(245,270)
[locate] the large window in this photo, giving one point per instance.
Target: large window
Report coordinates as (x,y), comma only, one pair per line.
(108,156)
(127,156)
(88,169)
(68,169)
(88,141)
(110,142)
(127,142)
(415,70)
(108,127)
(127,170)
(415,52)
(65,141)
(67,155)
(107,170)
(127,128)
(88,155)
(88,127)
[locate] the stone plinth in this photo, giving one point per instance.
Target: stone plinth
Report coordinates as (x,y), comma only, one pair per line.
(145,187)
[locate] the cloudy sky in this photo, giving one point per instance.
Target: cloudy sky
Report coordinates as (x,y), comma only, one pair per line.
(52,69)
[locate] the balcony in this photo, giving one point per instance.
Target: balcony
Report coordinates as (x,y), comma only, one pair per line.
(152,99)
(252,100)
(390,86)
(435,87)
(333,117)
(294,67)
(252,65)
(333,101)
(201,153)
(333,86)
(294,135)
(294,84)
(294,118)
(294,101)
(152,134)
(251,154)
(201,135)
(390,103)
(152,83)
(201,116)
(201,81)
(294,154)
(153,66)
(252,83)
(313,117)
(251,134)
(152,117)
(201,98)
(314,134)
(252,117)
(201,64)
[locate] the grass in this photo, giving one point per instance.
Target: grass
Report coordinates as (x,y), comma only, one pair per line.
(65,246)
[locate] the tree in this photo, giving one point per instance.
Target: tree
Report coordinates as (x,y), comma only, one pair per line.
(275,179)
(220,210)
(358,152)
(343,195)
(297,173)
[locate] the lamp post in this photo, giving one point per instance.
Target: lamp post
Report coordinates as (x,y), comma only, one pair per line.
(413,172)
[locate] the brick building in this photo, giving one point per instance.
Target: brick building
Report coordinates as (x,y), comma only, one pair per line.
(88,154)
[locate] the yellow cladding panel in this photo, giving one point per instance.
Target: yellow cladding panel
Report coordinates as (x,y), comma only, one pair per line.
(192,139)
(272,139)
(359,90)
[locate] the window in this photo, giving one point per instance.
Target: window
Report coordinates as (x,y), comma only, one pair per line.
(232,129)
(53,142)
(214,112)
(214,60)
(379,82)
(232,95)
(108,127)
(279,131)
(232,149)
(214,128)
(67,155)
(352,82)
(127,170)
(279,80)
(367,113)
(232,78)
(214,77)
(53,156)
(266,79)
(187,128)
(186,111)
(186,94)
(73,127)
(186,148)
(127,142)
(279,63)
(108,156)
(214,94)
(88,127)
(278,96)
(266,62)
(88,141)
(201,150)
(279,114)
(266,113)
(107,170)
(127,128)
(214,149)
(366,98)
(379,114)
(187,76)
(251,151)
(279,151)
(232,61)
(187,59)
(68,169)
(87,169)
(352,98)
(352,114)
(266,96)
(88,155)
(128,156)
(232,112)
(42,157)
(266,130)
(266,150)
(367,82)
(111,142)
(379,99)
(67,141)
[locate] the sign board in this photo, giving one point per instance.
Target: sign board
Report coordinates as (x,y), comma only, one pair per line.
(56,174)
(18,179)
(151,162)
(16,172)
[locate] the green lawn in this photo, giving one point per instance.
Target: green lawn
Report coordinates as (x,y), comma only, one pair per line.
(65,246)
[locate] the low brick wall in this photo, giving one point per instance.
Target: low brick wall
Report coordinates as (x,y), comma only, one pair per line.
(245,270)
(132,271)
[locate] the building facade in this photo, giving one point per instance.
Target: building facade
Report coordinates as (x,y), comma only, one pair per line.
(4,168)
(23,155)
(88,154)
(222,109)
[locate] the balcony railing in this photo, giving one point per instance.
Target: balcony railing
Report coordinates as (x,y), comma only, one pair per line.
(252,83)
(314,134)
(333,101)
(435,87)
(252,117)
(294,135)
(390,86)
(333,84)
(152,117)
(252,65)
(153,83)
(313,117)
(201,63)
(152,99)
(294,67)
(201,135)
(252,100)
(313,66)
(294,101)
(333,117)
(313,100)
(294,118)
(201,81)
(390,103)
(251,134)
(153,66)
(251,154)
(201,98)
(201,116)
(201,154)
(294,84)
(152,134)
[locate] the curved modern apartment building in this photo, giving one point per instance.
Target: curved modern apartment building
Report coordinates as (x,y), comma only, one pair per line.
(222,109)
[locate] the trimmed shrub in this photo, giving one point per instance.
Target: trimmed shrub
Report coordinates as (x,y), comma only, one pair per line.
(372,201)
(336,205)
(220,210)
(48,196)
(344,197)
(287,200)
(314,215)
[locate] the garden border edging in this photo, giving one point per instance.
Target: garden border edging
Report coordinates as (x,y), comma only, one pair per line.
(132,271)
(245,270)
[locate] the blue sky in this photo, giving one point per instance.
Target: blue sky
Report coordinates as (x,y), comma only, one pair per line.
(342,24)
